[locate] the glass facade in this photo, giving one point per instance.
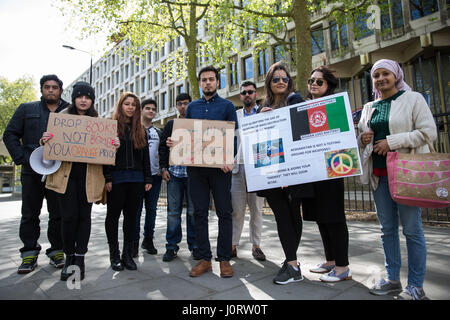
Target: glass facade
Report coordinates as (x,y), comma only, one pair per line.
(422,8)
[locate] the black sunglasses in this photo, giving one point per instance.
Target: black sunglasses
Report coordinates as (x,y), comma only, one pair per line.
(247,91)
(276,79)
(319,82)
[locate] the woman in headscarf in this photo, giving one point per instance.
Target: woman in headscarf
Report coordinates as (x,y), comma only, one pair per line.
(398,120)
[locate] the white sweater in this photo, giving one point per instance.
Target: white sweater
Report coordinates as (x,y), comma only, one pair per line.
(410,122)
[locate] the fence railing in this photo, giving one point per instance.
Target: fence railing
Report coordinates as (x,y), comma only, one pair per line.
(359,198)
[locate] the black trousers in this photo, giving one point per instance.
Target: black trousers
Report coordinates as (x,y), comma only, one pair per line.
(33,193)
(202,181)
(335,242)
(76,217)
(124,197)
(289,221)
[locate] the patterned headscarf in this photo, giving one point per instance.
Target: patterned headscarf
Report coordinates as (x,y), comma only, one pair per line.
(395,68)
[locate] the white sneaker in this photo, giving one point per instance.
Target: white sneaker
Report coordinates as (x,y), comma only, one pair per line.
(333,277)
(322,268)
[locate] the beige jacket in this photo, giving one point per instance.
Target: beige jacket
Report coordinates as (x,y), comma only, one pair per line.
(410,122)
(95,181)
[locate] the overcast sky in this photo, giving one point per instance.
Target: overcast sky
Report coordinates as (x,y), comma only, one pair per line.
(32,33)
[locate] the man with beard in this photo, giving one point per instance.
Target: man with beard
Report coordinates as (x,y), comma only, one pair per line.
(21,137)
(239,196)
(204,180)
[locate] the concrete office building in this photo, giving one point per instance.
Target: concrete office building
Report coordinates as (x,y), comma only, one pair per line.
(414,32)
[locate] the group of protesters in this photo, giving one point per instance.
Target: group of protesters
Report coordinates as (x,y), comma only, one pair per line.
(398,119)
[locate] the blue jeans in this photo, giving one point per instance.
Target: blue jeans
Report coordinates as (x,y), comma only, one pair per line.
(177,190)
(388,212)
(151,201)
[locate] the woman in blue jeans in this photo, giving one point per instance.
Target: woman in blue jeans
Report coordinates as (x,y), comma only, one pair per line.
(398,120)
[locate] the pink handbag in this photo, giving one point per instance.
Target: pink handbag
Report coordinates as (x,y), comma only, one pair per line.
(420,180)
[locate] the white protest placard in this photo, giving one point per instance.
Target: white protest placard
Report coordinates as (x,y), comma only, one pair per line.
(81,139)
(311,141)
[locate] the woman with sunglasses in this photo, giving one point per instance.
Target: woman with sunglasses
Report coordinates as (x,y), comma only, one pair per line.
(126,180)
(400,120)
(285,202)
(327,205)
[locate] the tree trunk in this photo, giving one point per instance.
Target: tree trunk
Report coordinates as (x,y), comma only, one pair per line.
(191,44)
(303,58)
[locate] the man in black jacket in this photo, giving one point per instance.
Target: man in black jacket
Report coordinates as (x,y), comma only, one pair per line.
(177,190)
(21,137)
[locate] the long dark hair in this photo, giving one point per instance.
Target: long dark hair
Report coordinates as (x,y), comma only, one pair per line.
(137,129)
(270,98)
(91,112)
(328,75)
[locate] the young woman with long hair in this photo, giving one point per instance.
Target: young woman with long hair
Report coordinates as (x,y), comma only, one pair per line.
(126,180)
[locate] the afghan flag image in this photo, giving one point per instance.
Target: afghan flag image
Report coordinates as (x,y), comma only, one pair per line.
(329,116)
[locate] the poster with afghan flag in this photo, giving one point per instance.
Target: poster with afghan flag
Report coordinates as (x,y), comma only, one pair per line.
(307,142)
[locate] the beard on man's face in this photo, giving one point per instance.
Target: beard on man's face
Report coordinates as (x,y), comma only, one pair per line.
(51,100)
(210,93)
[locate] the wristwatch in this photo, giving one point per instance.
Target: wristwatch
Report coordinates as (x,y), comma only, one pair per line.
(163,169)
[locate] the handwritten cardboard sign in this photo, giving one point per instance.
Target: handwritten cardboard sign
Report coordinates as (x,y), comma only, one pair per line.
(202,143)
(81,139)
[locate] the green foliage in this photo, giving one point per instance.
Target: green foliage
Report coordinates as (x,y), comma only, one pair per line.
(12,94)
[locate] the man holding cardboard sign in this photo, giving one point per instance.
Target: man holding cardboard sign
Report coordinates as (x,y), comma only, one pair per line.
(205,176)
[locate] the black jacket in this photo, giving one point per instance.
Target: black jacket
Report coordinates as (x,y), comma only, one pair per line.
(164,150)
(129,158)
(24,130)
(305,190)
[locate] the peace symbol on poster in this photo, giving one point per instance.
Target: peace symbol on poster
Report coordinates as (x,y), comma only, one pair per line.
(341,163)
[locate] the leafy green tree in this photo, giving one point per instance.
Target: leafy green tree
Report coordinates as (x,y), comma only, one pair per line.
(271,19)
(12,94)
(150,24)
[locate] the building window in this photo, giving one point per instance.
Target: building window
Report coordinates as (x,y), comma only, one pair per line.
(248,67)
(338,35)
(149,58)
(156,55)
(149,82)
(360,28)
(156,78)
(127,71)
(422,8)
(222,78)
(171,97)
(234,73)
(317,43)
(263,62)
(164,101)
(180,89)
(143,85)
(278,53)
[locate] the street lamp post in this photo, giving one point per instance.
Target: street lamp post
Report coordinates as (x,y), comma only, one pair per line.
(90,69)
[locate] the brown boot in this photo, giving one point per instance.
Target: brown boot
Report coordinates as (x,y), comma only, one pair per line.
(226,271)
(201,267)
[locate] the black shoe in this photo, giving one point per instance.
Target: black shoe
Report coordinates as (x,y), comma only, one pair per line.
(169,255)
(114,257)
(135,252)
(147,244)
(127,259)
(28,264)
(196,254)
(69,261)
(79,261)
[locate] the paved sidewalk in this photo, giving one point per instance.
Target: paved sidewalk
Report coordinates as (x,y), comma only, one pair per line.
(158,280)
